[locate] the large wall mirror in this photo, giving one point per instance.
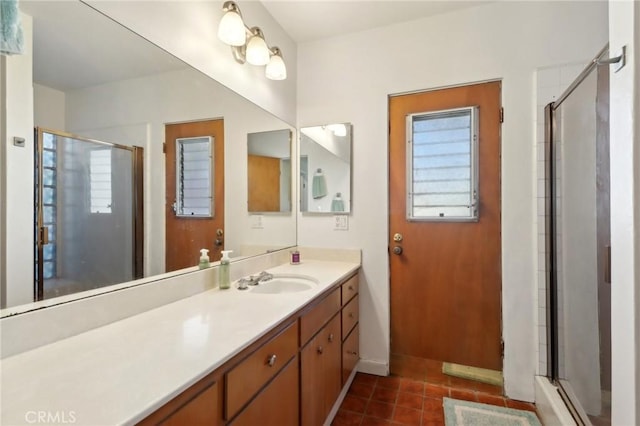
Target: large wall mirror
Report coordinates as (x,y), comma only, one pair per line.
(325,169)
(95,80)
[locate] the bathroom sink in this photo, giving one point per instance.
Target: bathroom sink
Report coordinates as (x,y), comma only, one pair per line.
(280,284)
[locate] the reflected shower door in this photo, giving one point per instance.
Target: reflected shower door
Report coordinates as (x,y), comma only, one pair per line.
(87,217)
(581,241)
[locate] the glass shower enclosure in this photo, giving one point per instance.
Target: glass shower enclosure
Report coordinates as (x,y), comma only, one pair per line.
(578,245)
(89,214)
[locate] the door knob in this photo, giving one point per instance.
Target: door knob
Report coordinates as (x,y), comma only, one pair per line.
(397,250)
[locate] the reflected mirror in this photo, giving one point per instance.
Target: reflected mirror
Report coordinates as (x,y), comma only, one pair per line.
(269,171)
(114,87)
(325,169)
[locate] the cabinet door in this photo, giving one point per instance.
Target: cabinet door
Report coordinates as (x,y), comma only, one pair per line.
(321,373)
(275,405)
(332,364)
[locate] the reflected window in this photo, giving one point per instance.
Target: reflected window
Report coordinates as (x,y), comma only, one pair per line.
(194,161)
(100,180)
(442,165)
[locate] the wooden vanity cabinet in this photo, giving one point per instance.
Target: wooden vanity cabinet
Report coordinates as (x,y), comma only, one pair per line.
(291,376)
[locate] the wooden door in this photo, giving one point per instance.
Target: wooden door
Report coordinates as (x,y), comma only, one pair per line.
(263,175)
(446,282)
(185,236)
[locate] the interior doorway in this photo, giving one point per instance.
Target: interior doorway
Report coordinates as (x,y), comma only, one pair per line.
(444,223)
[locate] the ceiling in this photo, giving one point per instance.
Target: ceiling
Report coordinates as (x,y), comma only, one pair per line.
(308,20)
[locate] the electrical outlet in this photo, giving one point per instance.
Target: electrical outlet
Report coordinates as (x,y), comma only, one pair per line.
(341,222)
(256,221)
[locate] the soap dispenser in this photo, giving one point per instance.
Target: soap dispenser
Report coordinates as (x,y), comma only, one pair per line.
(223,280)
(204,259)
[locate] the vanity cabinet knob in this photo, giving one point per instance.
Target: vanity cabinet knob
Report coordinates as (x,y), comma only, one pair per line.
(350,287)
(331,337)
(271,360)
(352,352)
(351,315)
(320,350)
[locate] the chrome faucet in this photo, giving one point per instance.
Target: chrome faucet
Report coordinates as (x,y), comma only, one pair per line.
(254,280)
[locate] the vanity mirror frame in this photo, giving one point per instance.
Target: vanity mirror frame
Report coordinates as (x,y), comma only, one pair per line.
(330,194)
(239,103)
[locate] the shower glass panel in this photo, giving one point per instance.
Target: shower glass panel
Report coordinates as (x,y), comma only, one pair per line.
(581,320)
(86,216)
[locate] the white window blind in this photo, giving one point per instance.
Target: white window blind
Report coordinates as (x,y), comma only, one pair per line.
(193,176)
(442,165)
(100,180)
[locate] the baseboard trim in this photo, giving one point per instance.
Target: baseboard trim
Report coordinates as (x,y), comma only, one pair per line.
(369,366)
(549,404)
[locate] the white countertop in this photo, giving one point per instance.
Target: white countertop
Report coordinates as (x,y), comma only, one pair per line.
(122,372)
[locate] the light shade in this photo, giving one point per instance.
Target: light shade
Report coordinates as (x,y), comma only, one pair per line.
(276,69)
(231,29)
(257,50)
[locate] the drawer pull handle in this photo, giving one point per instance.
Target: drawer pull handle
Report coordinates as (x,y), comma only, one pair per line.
(350,287)
(271,360)
(351,315)
(320,350)
(331,337)
(352,352)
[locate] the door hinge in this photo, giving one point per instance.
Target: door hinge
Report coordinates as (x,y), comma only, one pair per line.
(502,348)
(501,115)
(164,147)
(43,235)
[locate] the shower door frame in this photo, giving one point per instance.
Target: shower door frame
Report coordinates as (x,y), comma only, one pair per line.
(137,157)
(550,173)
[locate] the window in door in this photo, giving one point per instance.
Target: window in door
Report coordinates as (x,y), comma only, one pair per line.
(442,179)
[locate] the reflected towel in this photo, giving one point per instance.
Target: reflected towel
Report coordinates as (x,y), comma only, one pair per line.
(319,186)
(337,205)
(11,40)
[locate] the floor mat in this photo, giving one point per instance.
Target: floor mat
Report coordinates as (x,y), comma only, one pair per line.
(466,413)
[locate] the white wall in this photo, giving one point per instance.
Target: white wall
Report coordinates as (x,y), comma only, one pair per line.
(349,78)
(145,104)
(624,29)
(17,238)
(188,30)
(48,111)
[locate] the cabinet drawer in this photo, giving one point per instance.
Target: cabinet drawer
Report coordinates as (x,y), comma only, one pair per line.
(350,353)
(349,289)
(316,317)
(199,411)
(251,374)
(275,405)
(350,315)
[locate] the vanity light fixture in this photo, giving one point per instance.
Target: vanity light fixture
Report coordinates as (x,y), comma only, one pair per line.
(248,44)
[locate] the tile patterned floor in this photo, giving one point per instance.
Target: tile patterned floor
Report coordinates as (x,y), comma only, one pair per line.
(412,395)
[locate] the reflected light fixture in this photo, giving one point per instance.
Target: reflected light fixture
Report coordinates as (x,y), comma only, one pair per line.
(249,44)
(338,129)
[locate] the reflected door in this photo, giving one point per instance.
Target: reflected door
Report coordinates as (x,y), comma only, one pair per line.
(194,192)
(89,226)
